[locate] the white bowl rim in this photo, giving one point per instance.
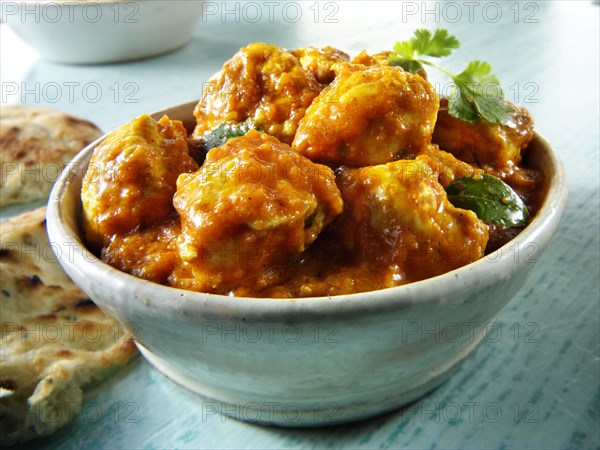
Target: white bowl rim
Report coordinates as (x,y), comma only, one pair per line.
(540,229)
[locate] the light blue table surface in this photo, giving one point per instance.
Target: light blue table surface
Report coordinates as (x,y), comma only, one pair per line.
(537,385)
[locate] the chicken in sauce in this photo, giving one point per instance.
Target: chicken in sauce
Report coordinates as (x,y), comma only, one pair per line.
(434,238)
(368,115)
(132,177)
(264,83)
(339,188)
(319,62)
(254,205)
(495,148)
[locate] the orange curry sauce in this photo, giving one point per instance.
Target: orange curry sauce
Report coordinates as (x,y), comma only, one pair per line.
(341,191)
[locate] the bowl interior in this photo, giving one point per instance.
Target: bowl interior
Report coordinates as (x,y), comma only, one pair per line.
(64,224)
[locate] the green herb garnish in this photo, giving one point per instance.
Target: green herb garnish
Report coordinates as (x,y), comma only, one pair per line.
(476,92)
(221,134)
(490,198)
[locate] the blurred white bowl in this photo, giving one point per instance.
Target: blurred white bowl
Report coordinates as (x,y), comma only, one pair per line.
(308,361)
(93,32)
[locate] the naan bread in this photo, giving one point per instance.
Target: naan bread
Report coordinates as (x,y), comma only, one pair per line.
(54,339)
(35,145)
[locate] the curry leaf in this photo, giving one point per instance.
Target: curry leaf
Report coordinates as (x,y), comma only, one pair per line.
(490,198)
(222,133)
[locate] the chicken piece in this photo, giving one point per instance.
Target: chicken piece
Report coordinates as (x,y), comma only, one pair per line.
(255,204)
(446,165)
(380,59)
(319,62)
(368,115)
(151,254)
(376,59)
(493,147)
(525,182)
(398,217)
(132,177)
(262,82)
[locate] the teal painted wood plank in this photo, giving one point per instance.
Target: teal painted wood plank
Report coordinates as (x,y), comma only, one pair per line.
(534,386)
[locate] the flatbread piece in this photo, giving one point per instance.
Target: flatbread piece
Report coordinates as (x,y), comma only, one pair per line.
(35,145)
(55,340)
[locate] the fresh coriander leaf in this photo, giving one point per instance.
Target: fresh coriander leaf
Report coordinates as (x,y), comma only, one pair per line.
(460,107)
(490,198)
(404,57)
(409,65)
(441,43)
(477,71)
(493,109)
(222,133)
(476,92)
(478,86)
(422,43)
(404,50)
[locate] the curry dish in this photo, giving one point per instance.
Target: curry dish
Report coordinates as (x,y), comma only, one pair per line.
(339,189)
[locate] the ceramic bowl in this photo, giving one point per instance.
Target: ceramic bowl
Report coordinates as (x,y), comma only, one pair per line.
(309,361)
(92,32)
